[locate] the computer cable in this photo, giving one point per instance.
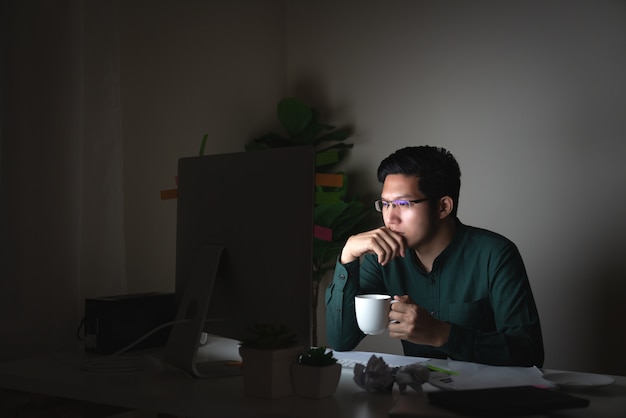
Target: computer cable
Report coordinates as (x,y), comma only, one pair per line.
(116,363)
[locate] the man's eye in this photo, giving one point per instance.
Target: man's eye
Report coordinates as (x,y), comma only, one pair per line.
(402,203)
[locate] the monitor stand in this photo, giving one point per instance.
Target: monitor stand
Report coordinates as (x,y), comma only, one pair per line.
(182,346)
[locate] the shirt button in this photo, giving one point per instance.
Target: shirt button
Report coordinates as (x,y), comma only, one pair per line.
(433,314)
(342,277)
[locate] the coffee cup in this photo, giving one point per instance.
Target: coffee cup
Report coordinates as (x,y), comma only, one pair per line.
(372,312)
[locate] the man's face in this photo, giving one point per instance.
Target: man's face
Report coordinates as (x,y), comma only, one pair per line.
(416,222)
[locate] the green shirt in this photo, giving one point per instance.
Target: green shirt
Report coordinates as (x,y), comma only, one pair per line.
(478,284)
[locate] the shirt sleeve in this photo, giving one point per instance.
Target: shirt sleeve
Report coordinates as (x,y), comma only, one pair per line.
(517,339)
(342,330)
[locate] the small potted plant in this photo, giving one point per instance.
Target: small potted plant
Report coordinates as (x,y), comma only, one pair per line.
(316,374)
(267,358)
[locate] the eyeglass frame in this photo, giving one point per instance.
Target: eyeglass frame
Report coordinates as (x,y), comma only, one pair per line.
(378,204)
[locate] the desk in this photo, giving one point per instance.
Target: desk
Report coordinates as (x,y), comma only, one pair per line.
(173,393)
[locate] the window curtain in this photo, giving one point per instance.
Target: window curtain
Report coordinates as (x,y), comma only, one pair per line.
(61,196)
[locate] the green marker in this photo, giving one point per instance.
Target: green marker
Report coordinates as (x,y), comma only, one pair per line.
(439,369)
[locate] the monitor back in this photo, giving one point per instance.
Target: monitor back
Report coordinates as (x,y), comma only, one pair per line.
(258,205)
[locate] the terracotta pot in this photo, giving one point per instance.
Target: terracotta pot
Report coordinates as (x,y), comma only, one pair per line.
(315,382)
(267,373)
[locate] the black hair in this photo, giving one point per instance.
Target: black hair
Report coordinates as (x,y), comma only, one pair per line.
(436,167)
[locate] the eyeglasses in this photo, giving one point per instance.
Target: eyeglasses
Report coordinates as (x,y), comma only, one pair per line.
(402,204)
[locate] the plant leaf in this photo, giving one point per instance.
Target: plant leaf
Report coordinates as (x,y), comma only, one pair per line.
(271,140)
(340,134)
(326,214)
(203,144)
(294,115)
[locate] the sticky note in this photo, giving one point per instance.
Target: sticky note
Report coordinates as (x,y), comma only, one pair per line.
(331,180)
(322,233)
(169,194)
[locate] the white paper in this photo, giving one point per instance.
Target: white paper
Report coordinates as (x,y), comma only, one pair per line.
(468,375)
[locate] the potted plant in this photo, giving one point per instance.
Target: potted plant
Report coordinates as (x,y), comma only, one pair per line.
(317,373)
(336,217)
(267,357)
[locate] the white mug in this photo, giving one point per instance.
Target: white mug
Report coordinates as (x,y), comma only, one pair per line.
(372,312)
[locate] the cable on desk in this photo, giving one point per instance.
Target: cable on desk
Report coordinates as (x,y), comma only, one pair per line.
(80,327)
(114,363)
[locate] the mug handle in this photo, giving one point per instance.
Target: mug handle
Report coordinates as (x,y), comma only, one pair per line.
(391,302)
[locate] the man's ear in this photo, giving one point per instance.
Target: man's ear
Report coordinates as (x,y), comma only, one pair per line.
(446,205)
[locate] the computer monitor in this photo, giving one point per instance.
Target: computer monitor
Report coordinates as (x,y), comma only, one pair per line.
(244,248)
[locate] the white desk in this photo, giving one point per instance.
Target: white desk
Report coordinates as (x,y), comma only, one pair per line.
(172,393)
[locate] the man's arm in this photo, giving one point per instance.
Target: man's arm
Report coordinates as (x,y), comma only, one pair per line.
(342,330)
(517,339)
(518,347)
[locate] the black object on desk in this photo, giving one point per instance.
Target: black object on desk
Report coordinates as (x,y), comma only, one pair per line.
(505,401)
(114,322)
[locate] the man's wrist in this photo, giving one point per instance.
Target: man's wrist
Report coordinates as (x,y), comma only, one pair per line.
(444,333)
(346,258)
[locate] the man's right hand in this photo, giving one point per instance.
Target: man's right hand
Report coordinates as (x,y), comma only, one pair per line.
(383,242)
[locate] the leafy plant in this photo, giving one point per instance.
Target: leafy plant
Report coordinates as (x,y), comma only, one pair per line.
(339,215)
(270,337)
(317,357)
(303,128)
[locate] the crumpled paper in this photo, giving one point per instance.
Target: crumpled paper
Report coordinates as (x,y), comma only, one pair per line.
(377,376)
(412,375)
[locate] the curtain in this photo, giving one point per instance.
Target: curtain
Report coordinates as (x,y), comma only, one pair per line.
(61,207)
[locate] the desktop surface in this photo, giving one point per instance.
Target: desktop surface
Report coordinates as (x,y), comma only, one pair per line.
(158,389)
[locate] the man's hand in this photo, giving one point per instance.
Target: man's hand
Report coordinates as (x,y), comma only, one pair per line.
(383,242)
(415,324)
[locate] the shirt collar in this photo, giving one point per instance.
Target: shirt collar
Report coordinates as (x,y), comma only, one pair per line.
(459,233)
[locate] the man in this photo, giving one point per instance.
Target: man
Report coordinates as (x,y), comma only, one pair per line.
(462,292)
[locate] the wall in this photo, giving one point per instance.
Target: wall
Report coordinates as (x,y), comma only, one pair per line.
(188,68)
(530,97)
(61,218)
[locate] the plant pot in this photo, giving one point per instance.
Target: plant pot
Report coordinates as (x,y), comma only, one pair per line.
(267,373)
(315,382)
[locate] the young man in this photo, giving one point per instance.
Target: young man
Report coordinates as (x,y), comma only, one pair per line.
(462,292)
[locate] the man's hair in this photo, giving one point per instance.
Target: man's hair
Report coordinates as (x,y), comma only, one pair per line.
(436,168)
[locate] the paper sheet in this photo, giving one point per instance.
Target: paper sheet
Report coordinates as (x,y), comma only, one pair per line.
(468,375)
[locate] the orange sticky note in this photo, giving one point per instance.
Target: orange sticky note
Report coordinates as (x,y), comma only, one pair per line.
(169,194)
(322,233)
(325,179)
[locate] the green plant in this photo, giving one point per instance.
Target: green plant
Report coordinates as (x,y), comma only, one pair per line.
(270,337)
(335,213)
(317,357)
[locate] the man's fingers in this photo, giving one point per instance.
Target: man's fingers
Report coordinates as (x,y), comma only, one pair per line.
(383,242)
(388,245)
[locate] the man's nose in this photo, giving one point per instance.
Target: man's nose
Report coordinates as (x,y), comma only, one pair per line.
(391,215)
